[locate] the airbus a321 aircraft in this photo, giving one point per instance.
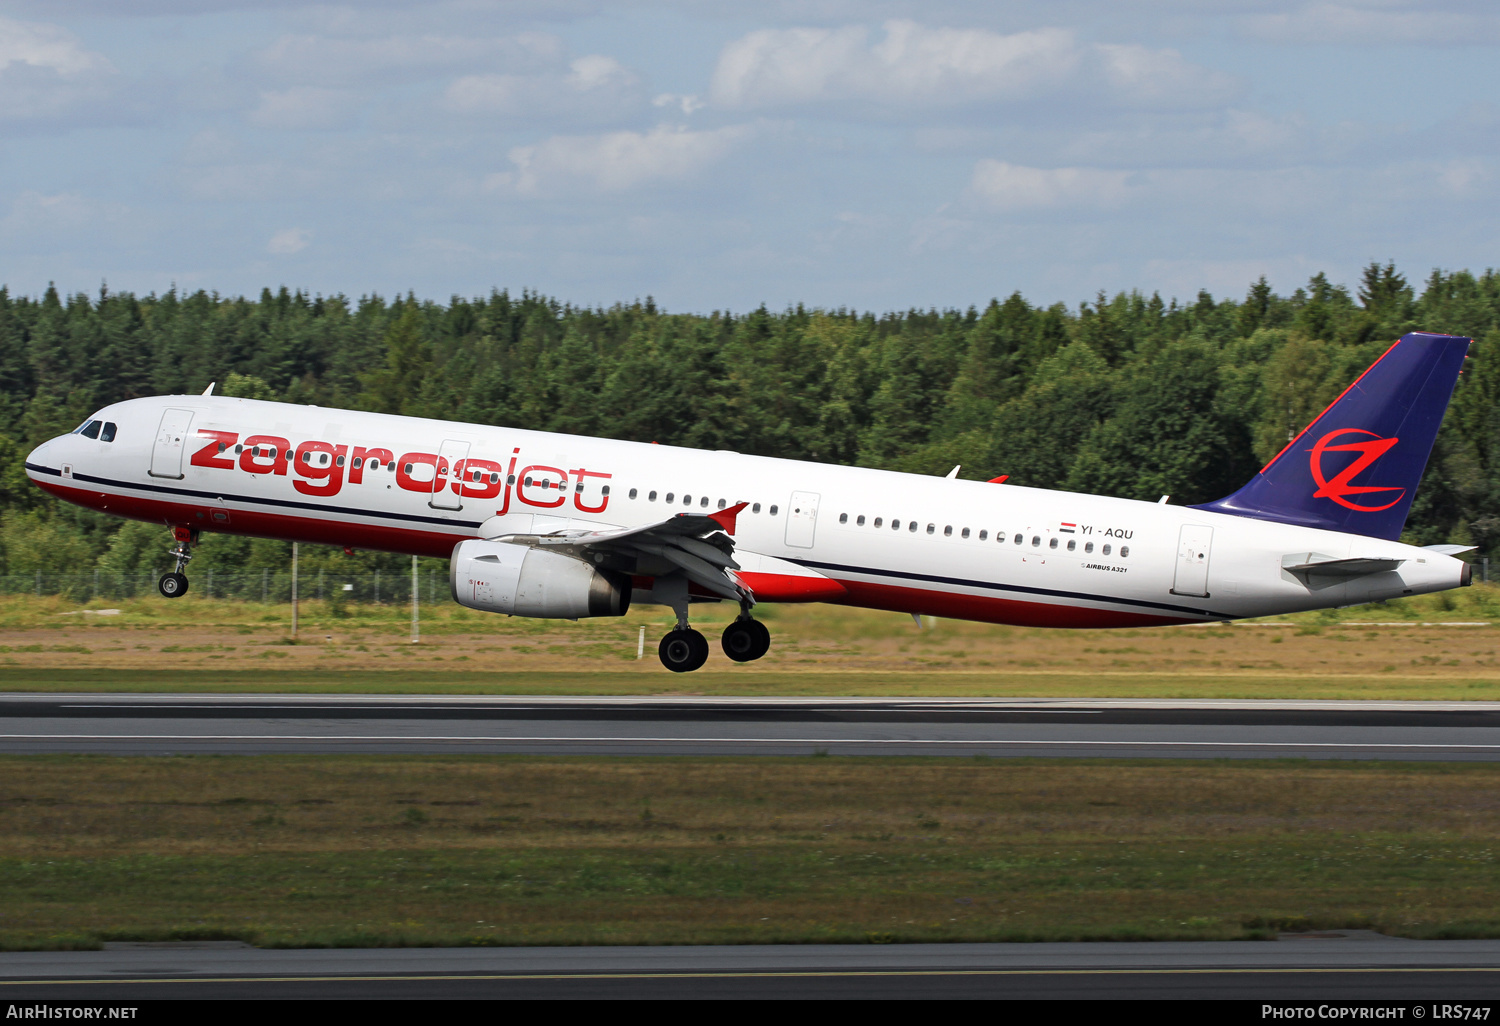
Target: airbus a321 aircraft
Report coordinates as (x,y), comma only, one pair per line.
(550,525)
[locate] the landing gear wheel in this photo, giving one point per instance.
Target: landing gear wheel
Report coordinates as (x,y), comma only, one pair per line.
(173,585)
(683,650)
(746,640)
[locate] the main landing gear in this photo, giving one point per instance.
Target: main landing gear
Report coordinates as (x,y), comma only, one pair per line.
(175,584)
(684,649)
(746,640)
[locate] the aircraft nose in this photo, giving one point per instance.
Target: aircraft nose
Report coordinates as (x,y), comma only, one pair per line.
(39,454)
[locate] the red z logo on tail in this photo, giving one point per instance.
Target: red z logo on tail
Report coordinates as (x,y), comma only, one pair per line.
(1339,487)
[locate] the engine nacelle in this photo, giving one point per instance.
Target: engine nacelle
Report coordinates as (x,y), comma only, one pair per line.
(499,577)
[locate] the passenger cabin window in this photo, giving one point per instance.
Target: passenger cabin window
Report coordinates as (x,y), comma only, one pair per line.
(912,527)
(965,533)
(633,493)
(755,508)
(358,461)
(1072,545)
(651,497)
(843,518)
(931,528)
(983,535)
(1105,550)
(1088,546)
(1052,543)
(772,511)
(1124,551)
(859,521)
(1036,541)
(722,503)
(704,502)
(1018,539)
(879,522)
(895,525)
(602,491)
(671,496)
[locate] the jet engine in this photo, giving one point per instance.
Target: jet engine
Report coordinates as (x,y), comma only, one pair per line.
(501,577)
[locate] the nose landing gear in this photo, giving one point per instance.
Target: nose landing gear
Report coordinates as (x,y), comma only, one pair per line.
(175,584)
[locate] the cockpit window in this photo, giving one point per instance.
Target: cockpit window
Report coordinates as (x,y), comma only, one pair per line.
(108,434)
(89,429)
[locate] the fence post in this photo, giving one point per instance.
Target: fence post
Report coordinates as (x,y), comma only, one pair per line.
(416,631)
(294,589)
(265,584)
(377,587)
(208,591)
(320,585)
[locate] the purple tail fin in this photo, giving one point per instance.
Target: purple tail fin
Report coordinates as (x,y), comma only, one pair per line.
(1356,467)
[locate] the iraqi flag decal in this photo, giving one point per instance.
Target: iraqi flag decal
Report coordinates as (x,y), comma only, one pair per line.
(1068,528)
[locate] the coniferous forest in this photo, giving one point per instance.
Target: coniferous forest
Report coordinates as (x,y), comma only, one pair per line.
(1124,395)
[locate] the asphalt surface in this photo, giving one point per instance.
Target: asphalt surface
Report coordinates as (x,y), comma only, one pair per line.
(1350,965)
(137,724)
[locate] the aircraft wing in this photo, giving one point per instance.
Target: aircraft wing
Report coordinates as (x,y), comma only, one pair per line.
(698,545)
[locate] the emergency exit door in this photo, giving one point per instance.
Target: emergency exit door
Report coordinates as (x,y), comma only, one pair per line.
(1194,546)
(801,519)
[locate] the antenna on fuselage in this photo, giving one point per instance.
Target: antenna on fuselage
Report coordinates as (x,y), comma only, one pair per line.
(210,389)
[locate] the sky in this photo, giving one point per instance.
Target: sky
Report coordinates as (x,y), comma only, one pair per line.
(877,155)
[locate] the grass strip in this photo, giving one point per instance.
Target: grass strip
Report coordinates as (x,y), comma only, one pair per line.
(798,683)
(414,850)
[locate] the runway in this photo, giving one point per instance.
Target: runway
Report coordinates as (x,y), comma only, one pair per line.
(1347,965)
(1054,728)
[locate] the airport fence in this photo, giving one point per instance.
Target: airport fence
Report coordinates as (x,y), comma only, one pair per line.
(263,585)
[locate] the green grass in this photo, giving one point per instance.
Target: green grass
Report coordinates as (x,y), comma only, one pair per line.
(799,683)
(361,850)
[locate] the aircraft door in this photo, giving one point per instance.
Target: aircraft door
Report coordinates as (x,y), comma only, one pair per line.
(444,495)
(1194,546)
(801,519)
(171,438)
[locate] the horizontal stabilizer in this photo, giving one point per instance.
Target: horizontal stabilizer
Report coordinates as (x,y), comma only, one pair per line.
(1450,550)
(1327,566)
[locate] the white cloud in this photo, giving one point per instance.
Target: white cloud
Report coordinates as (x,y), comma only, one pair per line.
(289,241)
(1378,23)
(46,73)
(333,60)
(686,103)
(592,86)
(616,161)
(305,107)
(1013,187)
(38,212)
(1139,76)
(911,66)
(46,46)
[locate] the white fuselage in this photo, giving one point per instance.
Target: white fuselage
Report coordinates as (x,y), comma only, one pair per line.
(813,532)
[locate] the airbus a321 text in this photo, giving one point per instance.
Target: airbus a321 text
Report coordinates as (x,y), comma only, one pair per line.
(549,525)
